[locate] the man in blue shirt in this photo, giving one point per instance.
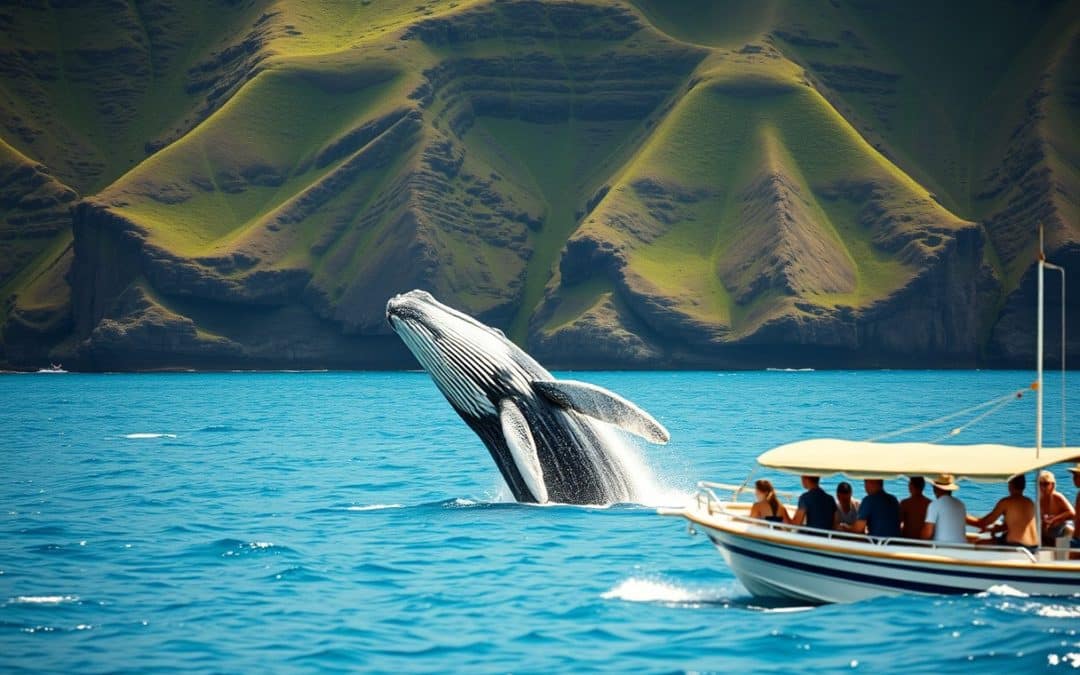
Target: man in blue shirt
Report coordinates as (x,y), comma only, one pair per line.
(879,513)
(817,508)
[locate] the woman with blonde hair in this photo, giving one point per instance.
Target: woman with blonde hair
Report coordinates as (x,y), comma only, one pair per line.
(767,507)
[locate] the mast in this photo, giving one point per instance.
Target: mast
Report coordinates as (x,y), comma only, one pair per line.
(1039,354)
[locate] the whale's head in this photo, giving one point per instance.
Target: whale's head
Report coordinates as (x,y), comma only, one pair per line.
(469,361)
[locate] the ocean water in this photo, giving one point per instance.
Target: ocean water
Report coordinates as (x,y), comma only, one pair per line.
(350,521)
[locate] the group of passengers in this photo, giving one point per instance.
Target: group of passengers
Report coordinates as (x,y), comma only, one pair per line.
(942,519)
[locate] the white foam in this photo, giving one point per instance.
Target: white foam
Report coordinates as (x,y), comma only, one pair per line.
(636,589)
(149,435)
(1071,659)
(1058,612)
(42,599)
(1003,590)
(374,507)
(781,610)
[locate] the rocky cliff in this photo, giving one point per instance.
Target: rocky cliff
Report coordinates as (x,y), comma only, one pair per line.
(242,184)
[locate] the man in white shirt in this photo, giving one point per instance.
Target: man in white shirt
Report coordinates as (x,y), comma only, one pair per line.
(946,515)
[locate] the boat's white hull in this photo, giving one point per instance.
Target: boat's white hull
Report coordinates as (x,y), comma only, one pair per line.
(777,563)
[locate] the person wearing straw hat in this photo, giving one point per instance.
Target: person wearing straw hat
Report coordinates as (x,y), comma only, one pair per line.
(946,516)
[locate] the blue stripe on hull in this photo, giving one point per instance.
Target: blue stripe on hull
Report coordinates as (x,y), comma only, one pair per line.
(914,586)
(891,582)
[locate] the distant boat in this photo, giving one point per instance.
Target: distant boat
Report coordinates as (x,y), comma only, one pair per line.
(778,560)
(53,369)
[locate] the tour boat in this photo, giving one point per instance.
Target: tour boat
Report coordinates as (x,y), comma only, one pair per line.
(776,560)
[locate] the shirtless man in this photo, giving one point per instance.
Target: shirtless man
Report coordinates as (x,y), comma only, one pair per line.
(913,509)
(1055,509)
(1019,513)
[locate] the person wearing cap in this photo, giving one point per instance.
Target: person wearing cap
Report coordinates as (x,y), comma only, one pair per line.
(946,516)
(1055,509)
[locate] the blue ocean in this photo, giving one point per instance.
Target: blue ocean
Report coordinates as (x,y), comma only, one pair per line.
(351,522)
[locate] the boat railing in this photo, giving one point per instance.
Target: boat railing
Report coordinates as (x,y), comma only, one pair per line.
(737,490)
(708,500)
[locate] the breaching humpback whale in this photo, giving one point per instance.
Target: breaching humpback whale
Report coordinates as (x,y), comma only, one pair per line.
(544,434)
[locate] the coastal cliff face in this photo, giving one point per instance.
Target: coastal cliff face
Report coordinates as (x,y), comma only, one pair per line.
(622,184)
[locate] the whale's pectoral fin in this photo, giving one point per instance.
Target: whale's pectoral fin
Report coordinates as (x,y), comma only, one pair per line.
(519,439)
(603,405)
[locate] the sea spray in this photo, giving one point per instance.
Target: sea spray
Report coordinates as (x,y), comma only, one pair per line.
(646,487)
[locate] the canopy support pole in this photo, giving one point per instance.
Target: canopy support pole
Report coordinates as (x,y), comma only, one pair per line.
(1039,385)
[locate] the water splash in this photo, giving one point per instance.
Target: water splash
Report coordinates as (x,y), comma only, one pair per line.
(374,507)
(646,488)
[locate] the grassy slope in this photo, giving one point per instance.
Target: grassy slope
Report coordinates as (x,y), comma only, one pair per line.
(223,186)
(712,143)
(560,163)
(109,88)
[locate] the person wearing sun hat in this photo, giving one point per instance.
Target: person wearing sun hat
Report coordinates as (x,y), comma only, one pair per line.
(946,516)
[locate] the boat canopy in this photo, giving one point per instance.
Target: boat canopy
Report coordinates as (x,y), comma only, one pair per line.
(867,459)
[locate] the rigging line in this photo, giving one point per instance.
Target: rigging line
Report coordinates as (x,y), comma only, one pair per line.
(1002,402)
(934,422)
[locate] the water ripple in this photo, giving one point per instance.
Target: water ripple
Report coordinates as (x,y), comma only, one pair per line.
(314,521)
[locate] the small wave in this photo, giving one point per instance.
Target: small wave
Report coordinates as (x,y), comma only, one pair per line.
(141,435)
(42,599)
(295,573)
(636,589)
(374,507)
(789,370)
(459,503)
(1058,612)
(227,548)
(1003,590)
(216,428)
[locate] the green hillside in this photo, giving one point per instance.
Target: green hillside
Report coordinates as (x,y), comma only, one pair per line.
(631,184)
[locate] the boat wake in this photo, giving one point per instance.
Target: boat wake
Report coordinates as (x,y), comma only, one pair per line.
(1002,590)
(639,589)
(732,595)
